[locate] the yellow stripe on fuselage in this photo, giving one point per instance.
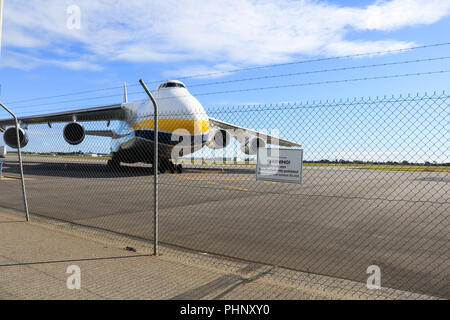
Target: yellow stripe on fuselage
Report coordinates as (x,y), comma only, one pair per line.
(170,125)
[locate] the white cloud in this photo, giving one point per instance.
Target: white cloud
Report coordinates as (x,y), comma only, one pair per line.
(218,33)
(214,71)
(361,47)
(390,15)
(28,62)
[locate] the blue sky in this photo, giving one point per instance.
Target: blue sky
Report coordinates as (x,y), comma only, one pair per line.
(127,40)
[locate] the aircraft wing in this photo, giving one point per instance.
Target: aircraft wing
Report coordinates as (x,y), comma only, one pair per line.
(105,113)
(105,133)
(268,138)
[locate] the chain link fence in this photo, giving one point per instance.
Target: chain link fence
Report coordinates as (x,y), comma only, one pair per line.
(375,187)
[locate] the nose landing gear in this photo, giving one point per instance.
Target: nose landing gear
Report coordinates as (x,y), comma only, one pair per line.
(114,163)
(165,165)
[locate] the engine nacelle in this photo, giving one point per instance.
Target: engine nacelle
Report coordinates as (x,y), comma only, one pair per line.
(218,139)
(10,137)
(251,146)
(74,133)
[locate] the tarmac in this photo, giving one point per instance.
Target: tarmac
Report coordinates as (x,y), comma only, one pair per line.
(35,257)
(336,223)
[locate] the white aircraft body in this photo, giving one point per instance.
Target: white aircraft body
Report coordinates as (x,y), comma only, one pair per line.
(183,127)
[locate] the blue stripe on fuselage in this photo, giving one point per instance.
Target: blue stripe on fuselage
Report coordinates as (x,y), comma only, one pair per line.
(166,137)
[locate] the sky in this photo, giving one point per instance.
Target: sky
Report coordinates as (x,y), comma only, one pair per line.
(54,47)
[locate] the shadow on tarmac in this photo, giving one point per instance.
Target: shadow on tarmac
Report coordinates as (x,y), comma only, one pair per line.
(102,171)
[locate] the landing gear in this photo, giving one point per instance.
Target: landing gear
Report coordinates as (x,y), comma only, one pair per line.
(114,163)
(163,165)
(167,165)
(171,167)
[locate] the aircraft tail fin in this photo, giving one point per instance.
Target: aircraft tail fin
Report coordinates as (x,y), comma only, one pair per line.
(125,93)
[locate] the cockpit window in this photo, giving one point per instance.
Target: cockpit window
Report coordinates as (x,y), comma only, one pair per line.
(173,85)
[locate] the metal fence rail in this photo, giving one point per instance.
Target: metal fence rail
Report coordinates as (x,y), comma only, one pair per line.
(375,190)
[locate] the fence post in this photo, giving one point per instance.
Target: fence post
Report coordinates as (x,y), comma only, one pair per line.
(155,170)
(20,161)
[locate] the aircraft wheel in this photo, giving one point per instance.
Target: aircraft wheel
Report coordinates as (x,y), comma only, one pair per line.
(179,168)
(113,164)
(162,169)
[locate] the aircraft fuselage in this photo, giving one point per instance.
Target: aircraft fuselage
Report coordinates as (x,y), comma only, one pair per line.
(181,117)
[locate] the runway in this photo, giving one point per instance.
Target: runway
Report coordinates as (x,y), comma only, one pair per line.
(338,222)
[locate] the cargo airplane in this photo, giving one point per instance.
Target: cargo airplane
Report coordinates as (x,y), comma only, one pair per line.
(180,114)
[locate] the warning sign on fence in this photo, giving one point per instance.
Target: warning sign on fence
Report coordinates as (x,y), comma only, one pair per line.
(279,165)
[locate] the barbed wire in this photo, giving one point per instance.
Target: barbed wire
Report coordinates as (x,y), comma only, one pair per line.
(250,89)
(237,70)
(279,106)
(312,83)
(322,71)
(314,60)
(64,95)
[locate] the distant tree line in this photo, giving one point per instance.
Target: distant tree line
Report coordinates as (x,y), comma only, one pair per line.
(325,161)
(402,163)
(75,153)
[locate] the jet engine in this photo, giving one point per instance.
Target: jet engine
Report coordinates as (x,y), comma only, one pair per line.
(218,139)
(74,133)
(10,137)
(251,145)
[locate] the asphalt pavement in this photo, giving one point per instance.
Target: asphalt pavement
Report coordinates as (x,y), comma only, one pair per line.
(337,223)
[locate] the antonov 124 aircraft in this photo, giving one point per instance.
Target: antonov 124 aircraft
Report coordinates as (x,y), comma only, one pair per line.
(178,111)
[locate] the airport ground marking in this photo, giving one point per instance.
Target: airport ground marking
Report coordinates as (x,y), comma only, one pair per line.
(223,179)
(7,179)
(10,178)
